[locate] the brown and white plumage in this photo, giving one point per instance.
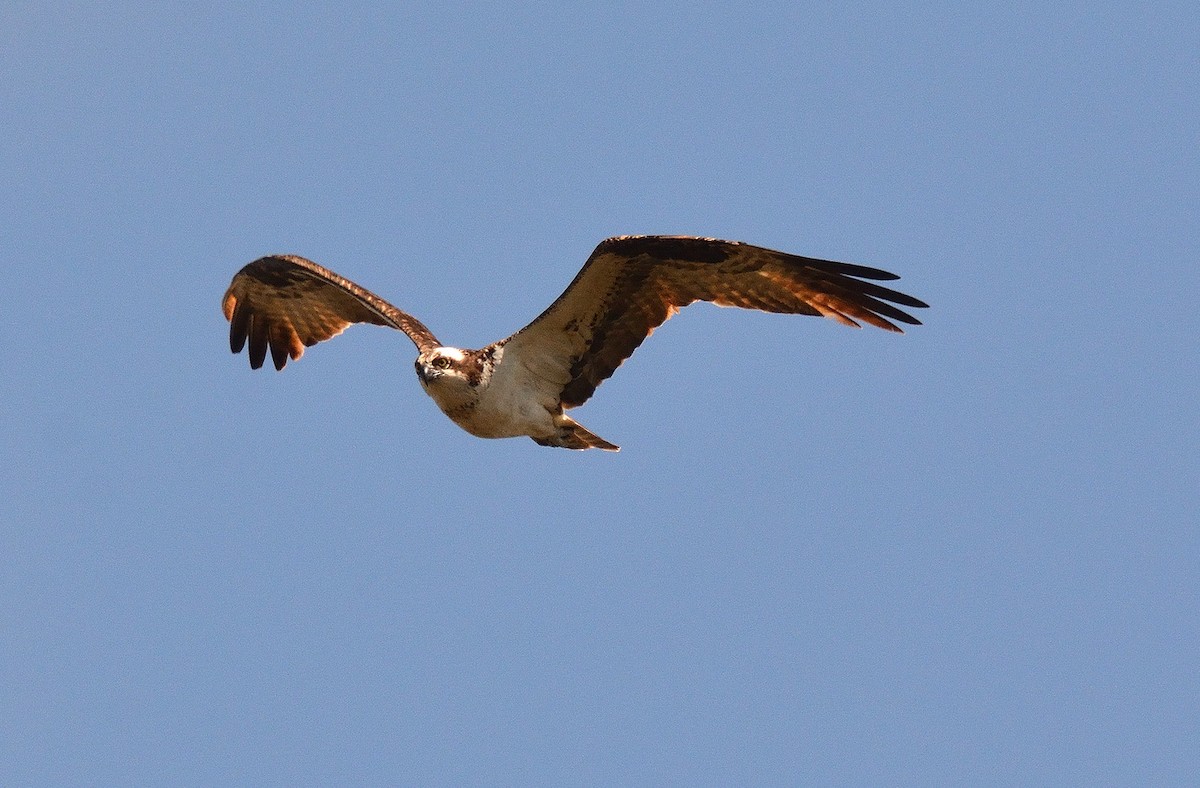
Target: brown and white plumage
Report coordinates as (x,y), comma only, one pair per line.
(522,384)
(290,303)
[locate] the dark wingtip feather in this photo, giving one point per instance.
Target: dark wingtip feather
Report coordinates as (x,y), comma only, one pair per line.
(237,340)
(258,344)
(279,355)
(887,310)
(910,301)
(860,271)
(238,323)
(895,296)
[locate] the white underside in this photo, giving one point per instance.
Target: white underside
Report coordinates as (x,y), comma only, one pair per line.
(510,403)
(499,423)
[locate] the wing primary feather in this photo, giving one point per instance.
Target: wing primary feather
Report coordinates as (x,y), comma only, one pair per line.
(280,345)
(239,323)
(258,342)
(887,310)
(849,269)
(887,294)
(860,305)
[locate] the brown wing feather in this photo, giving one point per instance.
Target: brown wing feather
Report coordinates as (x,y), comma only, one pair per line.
(632,284)
(285,303)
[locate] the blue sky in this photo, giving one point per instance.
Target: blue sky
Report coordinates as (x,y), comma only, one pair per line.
(967,554)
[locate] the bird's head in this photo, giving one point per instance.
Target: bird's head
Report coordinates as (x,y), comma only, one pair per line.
(441,365)
(451,369)
(452,376)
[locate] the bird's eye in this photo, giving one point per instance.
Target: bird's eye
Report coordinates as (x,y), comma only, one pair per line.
(441,362)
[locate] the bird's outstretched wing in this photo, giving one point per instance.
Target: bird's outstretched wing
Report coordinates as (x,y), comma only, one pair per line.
(288,303)
(631,284)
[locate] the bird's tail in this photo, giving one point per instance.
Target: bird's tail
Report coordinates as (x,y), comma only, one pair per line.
(573,435)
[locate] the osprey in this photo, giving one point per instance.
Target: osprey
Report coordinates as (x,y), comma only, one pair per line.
(521,385)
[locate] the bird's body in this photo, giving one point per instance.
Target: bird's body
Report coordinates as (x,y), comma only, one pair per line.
(521,385)
(491,399)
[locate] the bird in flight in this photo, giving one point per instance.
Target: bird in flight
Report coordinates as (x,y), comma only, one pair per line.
(523,384)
